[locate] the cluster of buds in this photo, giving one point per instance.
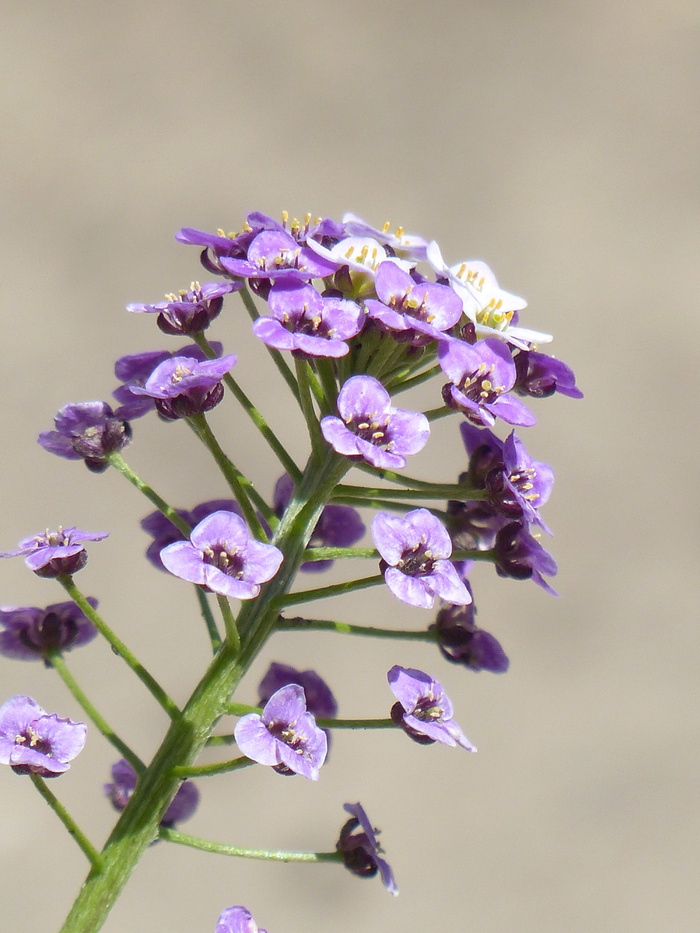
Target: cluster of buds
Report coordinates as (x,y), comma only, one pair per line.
(351,316)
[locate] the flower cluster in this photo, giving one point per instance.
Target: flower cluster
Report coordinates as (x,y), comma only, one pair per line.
(352,316)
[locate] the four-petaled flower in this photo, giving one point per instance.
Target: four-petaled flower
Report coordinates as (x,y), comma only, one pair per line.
(284,735)
(520,555)
(369,427)
(183,386)
(222,556)
(55,552)
(191,311)
(481,376)
(33,741)
(415,549)
(237,920)
(424,711)
(360,849)
(427,308)
(163,532)
(88,431)
(307,324)
(30,633)
(123,784)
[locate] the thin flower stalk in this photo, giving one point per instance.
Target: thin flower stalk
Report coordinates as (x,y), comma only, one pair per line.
(268,855)
(58,663)
(88,849)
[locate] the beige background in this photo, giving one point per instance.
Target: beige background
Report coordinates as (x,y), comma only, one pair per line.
(557,141)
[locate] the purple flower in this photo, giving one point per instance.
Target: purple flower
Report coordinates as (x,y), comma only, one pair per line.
(540,375)
(88,431)
(519,555)
(30,633)
(191,311)
(222,556)
(319,698)
(134,370)
(461,641)
(406,305)
(55,552)
(34,742)
(516,484)
(338,526)
(285,735)
(273,254)
(369,427)
(183,386)
(237,920)
(360,849)
(424,711)
(480,377)
(307,324)
(124,780)
(415,549)
(164,532)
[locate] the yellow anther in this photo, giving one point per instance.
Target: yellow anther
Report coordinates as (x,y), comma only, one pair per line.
(399,232)
(285,217)
(386,226)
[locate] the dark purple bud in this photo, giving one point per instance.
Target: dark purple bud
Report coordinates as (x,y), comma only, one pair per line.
(539,376)
(461,641)
(360,849)
(31,634)
(89,431)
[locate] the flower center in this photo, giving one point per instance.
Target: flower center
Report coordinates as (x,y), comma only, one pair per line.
(428,708)
(34,741)
(372,428)
(232,563)
(417,561)
(478,386)
(523,482)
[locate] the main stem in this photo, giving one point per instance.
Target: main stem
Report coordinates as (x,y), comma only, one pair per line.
(138,825)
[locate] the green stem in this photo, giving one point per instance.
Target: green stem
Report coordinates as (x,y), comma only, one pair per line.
(243,490)
(326,373)
(356,723)
(307,406)
(313,554)
(232,635)
(442,490)
(396,385)
(56,661)
(119,647)
(117,461)
(377,503)
(448,491)
(213,631)
(270,855)
(325,592)
(220,767)
(138,825)
(275,355)
(299,624)
(89,850)
(432,414)
(254,414)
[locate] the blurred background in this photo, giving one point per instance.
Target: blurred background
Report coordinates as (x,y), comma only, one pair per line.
(558,142)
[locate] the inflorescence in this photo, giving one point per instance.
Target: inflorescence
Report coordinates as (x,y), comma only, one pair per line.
(351,316)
